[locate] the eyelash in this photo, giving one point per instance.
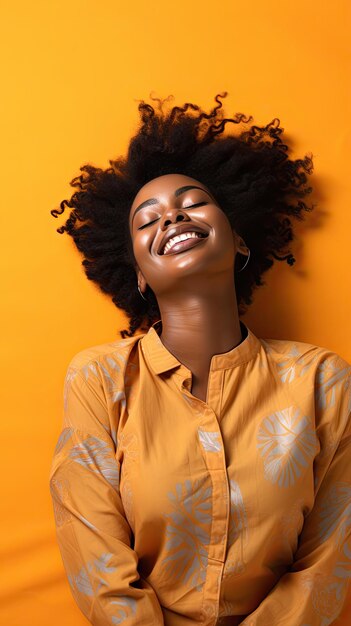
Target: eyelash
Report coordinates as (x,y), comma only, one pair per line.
(187,207)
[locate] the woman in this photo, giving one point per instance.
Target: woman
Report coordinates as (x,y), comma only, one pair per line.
(202,474)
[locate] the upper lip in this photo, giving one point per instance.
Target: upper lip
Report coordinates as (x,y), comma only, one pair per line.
(178,230)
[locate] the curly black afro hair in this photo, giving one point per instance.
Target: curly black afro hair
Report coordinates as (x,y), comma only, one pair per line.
(249,174)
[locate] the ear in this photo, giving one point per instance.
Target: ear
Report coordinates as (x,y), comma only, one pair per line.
(141,280)
(240,243)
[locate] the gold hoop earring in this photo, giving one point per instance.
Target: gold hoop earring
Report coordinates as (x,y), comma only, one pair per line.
(247,260)
(141,294)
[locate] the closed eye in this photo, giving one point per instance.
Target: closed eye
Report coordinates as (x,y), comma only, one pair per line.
(191,206)
(141,227)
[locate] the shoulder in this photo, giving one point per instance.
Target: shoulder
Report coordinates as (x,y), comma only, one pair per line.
(310,371)
(113,355)
(297,359)
(290,348)
(94,394)
(102,370)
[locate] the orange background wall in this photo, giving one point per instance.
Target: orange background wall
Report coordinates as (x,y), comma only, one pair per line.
(72,73)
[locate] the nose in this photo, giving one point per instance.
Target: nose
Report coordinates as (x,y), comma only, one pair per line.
(173,216)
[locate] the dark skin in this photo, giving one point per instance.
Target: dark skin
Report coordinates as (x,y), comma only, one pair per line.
(194,288)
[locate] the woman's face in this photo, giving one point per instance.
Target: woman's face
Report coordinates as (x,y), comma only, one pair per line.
(176,202)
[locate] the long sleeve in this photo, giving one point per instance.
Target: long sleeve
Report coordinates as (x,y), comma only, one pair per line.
(92,530)
(316,590)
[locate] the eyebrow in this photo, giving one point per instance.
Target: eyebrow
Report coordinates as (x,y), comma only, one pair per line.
(177,193)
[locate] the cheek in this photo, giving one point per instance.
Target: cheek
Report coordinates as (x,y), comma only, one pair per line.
(142,250)
(142,242)
(222,226)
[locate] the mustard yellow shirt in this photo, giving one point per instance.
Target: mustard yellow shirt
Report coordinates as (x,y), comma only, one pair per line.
(171,510)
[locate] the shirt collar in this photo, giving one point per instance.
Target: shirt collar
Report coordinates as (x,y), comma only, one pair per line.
(161,360)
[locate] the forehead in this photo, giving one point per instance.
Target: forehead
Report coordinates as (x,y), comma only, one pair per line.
(164,185)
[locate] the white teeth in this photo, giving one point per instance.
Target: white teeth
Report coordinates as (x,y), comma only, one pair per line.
(171,242)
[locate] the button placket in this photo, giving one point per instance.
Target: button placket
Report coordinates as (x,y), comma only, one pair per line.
(212,448)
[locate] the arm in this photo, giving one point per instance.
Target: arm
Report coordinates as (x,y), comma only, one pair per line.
(316,591)
(92,531)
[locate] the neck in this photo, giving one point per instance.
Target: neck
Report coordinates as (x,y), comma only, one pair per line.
(198,325)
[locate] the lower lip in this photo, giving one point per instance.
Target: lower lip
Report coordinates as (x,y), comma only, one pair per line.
(181,246)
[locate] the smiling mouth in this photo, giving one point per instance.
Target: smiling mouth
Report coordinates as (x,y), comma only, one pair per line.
(182,246)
